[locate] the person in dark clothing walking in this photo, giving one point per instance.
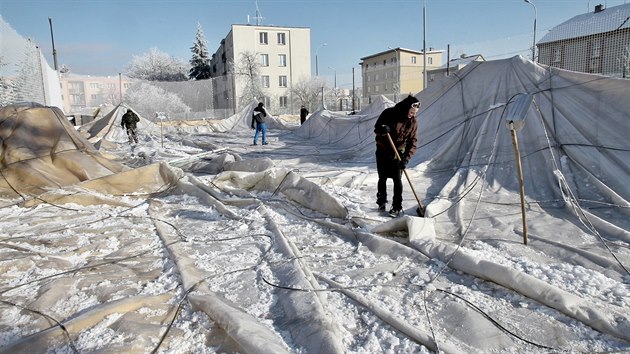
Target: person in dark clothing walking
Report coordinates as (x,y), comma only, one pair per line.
(258,123)
(400,123)
(128,122)
(303,114)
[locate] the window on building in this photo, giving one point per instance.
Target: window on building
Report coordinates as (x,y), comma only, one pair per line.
(432,77)
(267,102)
(75,86)
(265,80)
(284,101)
(94,85)
(93,97)
(127,85)
(413,60)
(76,99)
(264,59)
(557,55)
(282,81)
(375,77)
(282,60)
(282,39)
(596,49)
(263,38)
(375,88)
(429,60)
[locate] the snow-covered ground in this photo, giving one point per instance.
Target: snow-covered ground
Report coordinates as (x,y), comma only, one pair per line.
(213,245)
(222,265)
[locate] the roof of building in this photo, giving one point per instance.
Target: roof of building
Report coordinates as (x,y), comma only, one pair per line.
(611,19)
(430,51)
(463,61)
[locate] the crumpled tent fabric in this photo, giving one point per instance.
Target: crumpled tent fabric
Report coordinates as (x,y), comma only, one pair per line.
(166,226)
(108,129)
(378,105)
(41,149)
(241,120)
(575,133)
(354,133)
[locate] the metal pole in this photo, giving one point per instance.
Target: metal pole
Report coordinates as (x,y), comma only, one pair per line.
(353,90)
(424,44)
(519,168)
(448,60)
(53,43)
(397,84)
(535,17)
(335,71)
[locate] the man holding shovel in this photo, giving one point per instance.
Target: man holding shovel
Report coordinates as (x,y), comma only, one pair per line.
(396,130)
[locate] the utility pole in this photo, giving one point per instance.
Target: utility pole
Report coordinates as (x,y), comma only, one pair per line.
(53,43)
(353,90)
(424,44)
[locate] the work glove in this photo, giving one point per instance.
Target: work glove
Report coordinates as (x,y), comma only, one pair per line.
(382,129)
(403,163)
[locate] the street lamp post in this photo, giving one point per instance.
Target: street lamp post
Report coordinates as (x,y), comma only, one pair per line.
(534,43)
(397,84)
(335,93)
(333,69)
(316,62)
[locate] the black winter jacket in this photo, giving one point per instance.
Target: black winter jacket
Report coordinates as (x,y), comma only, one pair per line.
(402,130)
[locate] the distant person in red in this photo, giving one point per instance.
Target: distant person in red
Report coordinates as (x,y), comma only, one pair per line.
(399,122)
(129,122)
(303,114)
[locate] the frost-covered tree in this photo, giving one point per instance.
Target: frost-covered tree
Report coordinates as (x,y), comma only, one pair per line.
(248,70)
(308,93)
(200,62)
(148,99)
(157,66)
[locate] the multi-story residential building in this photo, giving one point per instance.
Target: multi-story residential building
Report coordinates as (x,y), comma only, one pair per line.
(84,92)
(596,42)
(397,72)
(452,66)
(282,57)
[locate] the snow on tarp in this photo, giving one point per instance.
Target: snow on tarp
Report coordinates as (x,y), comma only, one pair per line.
(352,133)
(41,149)
(239,121)
(108,129)
(279,249)
(574,135)
(377,106)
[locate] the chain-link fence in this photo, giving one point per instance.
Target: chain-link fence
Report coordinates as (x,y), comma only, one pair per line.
(25,76)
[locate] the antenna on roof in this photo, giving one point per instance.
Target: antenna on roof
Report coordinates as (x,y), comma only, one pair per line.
(257,17)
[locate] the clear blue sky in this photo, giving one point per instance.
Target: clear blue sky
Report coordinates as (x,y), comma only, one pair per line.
(99,37)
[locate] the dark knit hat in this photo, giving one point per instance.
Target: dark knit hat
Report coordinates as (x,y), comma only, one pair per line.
(405,104)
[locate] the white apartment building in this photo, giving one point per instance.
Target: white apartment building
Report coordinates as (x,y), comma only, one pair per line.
(284,57)
(85,92)
(397,72)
